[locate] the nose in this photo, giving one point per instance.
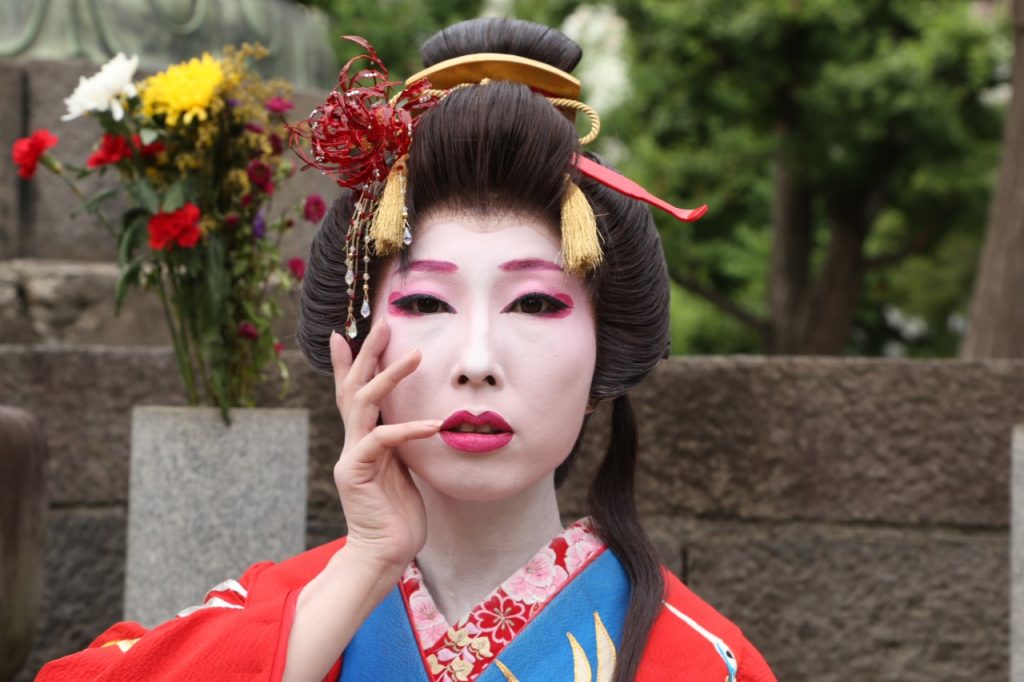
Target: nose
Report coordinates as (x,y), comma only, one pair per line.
(477,363)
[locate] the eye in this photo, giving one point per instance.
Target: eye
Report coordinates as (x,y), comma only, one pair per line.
(422,304)
(536,304)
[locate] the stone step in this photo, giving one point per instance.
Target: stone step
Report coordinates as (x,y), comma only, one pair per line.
(72,302)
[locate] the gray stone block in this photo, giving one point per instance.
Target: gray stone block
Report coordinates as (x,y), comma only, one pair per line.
(829,439)
(835,603)
(45,301)
(84,582)
(51,231)
(208,500)
(82,396)
(902,442)
(12,126)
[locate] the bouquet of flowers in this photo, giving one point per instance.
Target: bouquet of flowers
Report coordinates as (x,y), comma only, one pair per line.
(197,151)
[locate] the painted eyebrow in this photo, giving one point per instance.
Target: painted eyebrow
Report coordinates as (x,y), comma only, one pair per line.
(441,266)
(529,264)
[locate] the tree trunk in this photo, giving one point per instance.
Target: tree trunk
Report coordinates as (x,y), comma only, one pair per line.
(791,253)
(838,290)
(996,328)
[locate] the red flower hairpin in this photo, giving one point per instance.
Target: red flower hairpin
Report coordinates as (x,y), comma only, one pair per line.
(362,129)
(361,135)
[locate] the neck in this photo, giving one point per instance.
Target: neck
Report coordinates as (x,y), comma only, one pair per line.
(473,546)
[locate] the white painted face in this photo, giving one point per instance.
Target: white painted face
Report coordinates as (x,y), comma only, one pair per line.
(508,345)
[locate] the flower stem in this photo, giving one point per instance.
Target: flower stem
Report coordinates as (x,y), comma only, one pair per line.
(184,364)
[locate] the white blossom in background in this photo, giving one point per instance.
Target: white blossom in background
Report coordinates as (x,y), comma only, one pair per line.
(498,8)
(910,327)
(103,91)
(603,70)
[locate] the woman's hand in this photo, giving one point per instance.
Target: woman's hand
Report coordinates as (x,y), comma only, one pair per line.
(383,508)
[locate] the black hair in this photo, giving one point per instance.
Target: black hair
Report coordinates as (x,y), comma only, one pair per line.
(503,147)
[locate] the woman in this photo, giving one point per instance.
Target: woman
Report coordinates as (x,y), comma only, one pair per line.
(524,294)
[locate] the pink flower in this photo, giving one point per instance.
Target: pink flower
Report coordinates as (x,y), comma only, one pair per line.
(278,347)
(537,580)
(314,208)
(253,127)
(247,330)
(276,144)
(583,544)
(27,151)
(429,622)
(278,105)
(297,266)
(261,175)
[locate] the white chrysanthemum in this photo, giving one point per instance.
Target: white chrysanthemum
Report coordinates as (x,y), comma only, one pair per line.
(604,72)
(103,91)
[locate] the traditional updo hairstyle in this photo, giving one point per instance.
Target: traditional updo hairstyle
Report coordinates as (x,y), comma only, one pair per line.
(500,147)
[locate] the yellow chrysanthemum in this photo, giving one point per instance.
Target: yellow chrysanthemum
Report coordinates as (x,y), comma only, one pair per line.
(185,91)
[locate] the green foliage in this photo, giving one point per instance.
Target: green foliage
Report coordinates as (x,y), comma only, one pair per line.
(875,98)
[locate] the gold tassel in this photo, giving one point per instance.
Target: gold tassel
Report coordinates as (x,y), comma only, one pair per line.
(581,241)
(390,219)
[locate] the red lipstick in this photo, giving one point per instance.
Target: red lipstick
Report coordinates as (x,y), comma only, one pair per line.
(476,432)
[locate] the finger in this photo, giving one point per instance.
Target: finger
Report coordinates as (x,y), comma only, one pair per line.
(365,405)
(365,364)
(385,437)
(341,359)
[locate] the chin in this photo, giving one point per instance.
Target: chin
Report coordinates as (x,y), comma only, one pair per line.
(474,477)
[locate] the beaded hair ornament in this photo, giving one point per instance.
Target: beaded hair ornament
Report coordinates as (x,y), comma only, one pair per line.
(362,133)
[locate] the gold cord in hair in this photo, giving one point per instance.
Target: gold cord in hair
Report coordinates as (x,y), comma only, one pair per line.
(595,120)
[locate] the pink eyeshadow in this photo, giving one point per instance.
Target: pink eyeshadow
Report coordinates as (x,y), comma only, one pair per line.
(395,310)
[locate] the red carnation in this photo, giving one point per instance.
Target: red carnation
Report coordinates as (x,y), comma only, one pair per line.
(261,175)
(179,227)
(314,208)
(278,105)
(151,149)
(247,330)
(112,149)
(297,266)
(27,151)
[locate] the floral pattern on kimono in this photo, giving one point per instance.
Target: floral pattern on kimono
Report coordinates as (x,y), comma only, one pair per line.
(460,653)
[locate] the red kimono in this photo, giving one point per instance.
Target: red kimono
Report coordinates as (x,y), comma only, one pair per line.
(559,617)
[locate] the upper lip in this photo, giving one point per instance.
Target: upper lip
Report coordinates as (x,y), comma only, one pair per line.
(492,419)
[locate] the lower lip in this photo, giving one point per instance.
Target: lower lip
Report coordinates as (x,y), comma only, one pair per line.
(475,442)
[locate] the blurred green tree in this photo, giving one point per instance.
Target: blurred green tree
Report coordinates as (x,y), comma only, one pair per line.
(847,151)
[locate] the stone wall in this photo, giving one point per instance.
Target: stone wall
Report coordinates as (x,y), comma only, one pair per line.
(850,515)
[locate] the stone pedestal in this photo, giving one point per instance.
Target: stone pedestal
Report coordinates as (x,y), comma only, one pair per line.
(207,500)
(1017,556)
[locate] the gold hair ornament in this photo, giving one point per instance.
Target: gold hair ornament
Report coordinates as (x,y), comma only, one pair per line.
(581,239)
